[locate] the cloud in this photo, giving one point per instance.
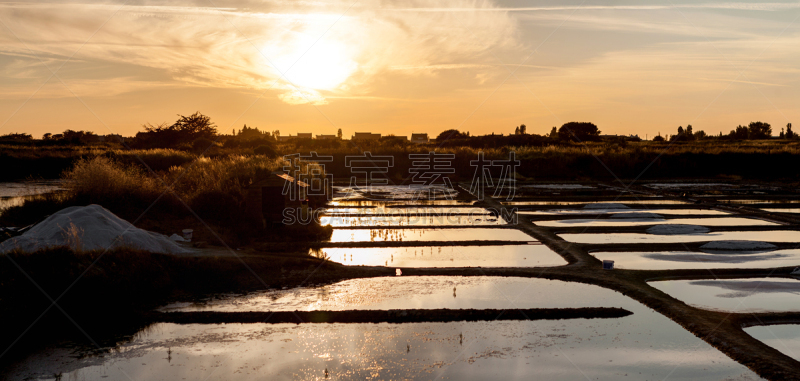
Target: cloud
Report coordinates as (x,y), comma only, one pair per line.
(282,46)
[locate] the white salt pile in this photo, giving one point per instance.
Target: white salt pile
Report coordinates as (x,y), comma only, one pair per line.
(738,245)
(674,229)
(86,228)
(605,205)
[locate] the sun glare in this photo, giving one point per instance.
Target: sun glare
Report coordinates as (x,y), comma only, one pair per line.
(324,65)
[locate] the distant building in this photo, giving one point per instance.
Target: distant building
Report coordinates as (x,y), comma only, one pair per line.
(327,137)
(285,138)
(302,135)
(419,138)
(366,136)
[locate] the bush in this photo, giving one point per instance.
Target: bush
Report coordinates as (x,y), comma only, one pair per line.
(266,150)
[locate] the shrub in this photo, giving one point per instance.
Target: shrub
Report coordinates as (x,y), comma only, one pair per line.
(266,150)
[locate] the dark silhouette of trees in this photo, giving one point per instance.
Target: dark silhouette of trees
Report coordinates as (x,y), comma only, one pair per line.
(185,130)
(553,133)
(339,133)
(759,130)
(579,131)
(523,129)
(450,134)
(658,138)
(516,131)
(789,133)
(740,133)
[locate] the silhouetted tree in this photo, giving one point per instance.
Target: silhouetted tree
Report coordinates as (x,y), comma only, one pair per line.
(516,131)
(658,138)
(759,130)
(186,129)
(523,129)
(789,133)
(449,134)
(339,133)
(554,133)
(579,131)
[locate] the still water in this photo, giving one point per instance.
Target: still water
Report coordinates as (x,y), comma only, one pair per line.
(447,256)
(466,234)
(783,337)
(642,346)
(723,221)
(678,260)
(419,220)
(736,295)
(765,236)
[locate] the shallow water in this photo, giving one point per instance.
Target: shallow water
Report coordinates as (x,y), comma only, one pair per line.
(345,203)
(766,236)
(466,234)
(447,256)
(722,221)
(401,211)
(736,295)
(422,292)
(555,212)
(394,192)
(783,337)
(781,210)
(643,201)
(760,201)
(422,220)
(678,260)
(642,346)
(15,194)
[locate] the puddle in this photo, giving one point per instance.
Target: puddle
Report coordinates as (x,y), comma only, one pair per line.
(447,256)
(645,345)
(767,236)
(421,220)
(394,192)
(467,234)
(722,221)
(679,260)
(783,337)
(736,295)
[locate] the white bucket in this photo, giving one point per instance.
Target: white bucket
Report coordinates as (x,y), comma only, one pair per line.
(187,234)
(608,264)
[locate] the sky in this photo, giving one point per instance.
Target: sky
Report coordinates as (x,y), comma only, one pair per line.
(397,67)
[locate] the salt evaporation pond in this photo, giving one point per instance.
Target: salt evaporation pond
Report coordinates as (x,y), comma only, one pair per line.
(766,236)
(374,203)
(722,221)
(648,200)
(411,234)
(568,212)
(679,260)
(645,345)
(447,256)
(736,295)
(390,211)
(783,337)
(420,220)
(781,210)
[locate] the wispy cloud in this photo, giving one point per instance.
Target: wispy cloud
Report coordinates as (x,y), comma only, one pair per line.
(274,48)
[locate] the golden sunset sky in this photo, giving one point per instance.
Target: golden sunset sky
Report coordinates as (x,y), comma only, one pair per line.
(396,67)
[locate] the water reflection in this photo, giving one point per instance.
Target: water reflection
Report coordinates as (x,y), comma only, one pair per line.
(645,345)
(766,236)
(396,235)
(677,260)
(723,221)
(419,220)
(736,295)
(783,337)
(447,256)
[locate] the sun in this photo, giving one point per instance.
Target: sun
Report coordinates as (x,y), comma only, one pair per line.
(317,65)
